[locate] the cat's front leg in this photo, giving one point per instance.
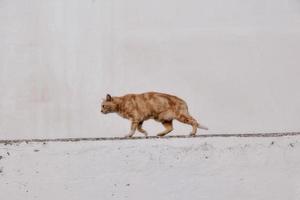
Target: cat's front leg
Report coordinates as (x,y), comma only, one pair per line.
(133,128)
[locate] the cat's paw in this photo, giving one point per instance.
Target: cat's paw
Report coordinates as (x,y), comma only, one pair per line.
(128,136)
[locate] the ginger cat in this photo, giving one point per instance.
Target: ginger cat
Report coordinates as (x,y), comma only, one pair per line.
(161,107)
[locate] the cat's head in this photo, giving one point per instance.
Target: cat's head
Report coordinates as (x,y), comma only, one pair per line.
(109,105)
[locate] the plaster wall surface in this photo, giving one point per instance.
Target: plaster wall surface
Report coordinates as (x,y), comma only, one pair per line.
(235,62)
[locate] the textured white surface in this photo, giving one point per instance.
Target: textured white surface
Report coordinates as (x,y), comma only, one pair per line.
(235,62)
(164,169)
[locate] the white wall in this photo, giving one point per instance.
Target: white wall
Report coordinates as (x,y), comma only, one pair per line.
(235,62)
(170,169)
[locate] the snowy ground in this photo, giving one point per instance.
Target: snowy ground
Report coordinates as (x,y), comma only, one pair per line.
(213,168)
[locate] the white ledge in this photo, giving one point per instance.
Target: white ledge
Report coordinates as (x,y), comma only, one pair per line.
(279,134)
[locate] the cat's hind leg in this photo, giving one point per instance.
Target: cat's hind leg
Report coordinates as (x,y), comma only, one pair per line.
(169,127)
(187,119)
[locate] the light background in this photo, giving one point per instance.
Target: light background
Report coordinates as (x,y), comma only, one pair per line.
(235,62)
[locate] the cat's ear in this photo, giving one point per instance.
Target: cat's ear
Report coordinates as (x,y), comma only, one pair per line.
(108,97)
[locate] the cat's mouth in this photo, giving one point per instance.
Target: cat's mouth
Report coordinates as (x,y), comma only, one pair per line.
(105,111)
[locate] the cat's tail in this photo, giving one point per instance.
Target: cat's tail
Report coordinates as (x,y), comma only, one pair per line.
(202,127)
